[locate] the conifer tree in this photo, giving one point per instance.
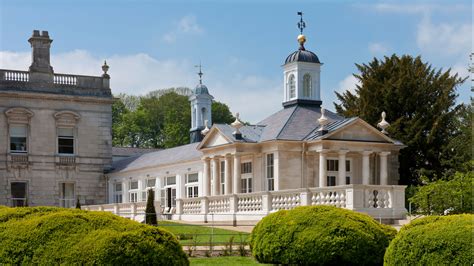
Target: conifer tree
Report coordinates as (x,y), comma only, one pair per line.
(150,212)
(420,102)
(78,203)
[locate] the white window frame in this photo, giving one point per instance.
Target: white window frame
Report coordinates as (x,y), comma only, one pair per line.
(222,176)
(246,184)
(291,87)
(64,137)
(192,188)
(335,172)
(307,85)
(25,151)
(269,179)
(133,192)
(67,202)
(118,195)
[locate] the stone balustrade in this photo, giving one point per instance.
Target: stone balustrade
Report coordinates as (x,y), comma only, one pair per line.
(380,202)
(81,81)
(132,210)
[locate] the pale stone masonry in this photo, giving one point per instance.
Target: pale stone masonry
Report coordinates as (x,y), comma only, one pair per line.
(55,133)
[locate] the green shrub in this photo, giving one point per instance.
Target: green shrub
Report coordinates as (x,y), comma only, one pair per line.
(320,235)
(434,240)
(47,235)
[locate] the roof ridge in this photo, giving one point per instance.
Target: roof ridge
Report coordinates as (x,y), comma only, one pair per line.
(286,123)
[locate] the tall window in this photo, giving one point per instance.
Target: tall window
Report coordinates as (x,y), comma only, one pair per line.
(118,193)
(133,191)
(246,184)
(222,176)
(333,168)
(270,172)
(291,86)
(192,185)
(307,85)
(65,140)
(18,137)
(246,168)
(67,196)
(148,184)
(18,194)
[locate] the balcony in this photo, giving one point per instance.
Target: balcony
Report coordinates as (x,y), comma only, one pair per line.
(18,160)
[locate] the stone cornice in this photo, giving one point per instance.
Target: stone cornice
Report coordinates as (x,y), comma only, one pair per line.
(54,97)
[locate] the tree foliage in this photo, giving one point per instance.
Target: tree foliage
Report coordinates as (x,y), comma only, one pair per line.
(150,211)
(433,240)
(445,196)
(160,119)
(420,102)
(321,235)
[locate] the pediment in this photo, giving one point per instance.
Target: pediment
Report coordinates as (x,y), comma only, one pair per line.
(214,138)
(66,118)
(359,130)
(18,115)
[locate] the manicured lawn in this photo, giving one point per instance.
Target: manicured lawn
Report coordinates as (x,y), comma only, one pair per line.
(228,261)
(201,235)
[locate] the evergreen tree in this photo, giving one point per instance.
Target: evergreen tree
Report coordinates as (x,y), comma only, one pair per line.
(420,103)
(78,203)
(150,212)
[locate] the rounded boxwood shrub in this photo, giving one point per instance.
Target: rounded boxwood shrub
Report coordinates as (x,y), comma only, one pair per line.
(320,235)
(51,236)
(434,240)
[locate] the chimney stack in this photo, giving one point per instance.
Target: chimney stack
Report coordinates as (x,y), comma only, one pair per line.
(40,69)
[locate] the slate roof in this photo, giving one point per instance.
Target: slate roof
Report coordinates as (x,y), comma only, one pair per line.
(251,133)
(302,56)
(168,156)
(130,151)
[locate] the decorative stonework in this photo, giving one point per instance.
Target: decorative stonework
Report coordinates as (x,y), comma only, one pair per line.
(66,118)
(18,115)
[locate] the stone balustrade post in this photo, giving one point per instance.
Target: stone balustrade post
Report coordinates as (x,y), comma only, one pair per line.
(179,206)
(266,202)
(233,202)
(305,197)
(133,208)
(101,208)
(116,209)
(205,207)
(157,207)
(355,197)
(397,201)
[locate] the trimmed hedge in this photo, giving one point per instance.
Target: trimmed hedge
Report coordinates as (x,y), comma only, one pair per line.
(434,240)
(48,235)
(320,235)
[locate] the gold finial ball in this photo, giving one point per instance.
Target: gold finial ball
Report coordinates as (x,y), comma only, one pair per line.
(301,39)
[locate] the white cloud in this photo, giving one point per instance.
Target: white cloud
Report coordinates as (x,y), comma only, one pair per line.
(349,83)
(444,38)
(186,25)
(377,48)
(255,97)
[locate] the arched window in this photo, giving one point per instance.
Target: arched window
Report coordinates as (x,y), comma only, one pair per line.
(307,85)
(203,116)
(194,118)
(291,86)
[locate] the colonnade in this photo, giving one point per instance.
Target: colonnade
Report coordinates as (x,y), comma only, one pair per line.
(212,175)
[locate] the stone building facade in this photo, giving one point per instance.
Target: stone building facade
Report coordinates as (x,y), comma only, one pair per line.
(55,133)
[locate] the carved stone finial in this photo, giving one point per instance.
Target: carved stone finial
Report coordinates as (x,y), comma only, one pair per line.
(206,129)
(383,124)
(323,121)
(237,124)
(105,68)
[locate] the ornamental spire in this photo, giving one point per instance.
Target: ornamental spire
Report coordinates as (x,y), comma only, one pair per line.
(301,25)
(200,72)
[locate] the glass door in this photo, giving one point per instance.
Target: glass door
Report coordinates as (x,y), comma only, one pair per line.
(19,192)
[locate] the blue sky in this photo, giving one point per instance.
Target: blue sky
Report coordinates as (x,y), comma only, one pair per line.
(241,44)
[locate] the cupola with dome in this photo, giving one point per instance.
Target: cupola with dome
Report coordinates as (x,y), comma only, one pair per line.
(201,103)
(301,74)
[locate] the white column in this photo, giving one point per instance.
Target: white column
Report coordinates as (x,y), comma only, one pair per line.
(366,167)
(342,168)
(180,188)
(228,175)
(206,178)
(383,168)
(215,176)
(322,169)
(111,190)
(236,177)
(125,194)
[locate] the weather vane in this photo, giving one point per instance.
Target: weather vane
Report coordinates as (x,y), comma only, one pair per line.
(200,72)
(301,24)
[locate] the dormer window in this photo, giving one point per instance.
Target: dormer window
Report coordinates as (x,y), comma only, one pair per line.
(307,85)
(18,137)
(291,86)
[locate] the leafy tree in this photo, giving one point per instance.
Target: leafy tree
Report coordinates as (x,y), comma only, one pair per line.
(453,196)
(420,102)
(150,211)
(161,119)
(221,113)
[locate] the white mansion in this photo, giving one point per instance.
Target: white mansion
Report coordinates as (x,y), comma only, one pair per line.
(300,155)
(56,147)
